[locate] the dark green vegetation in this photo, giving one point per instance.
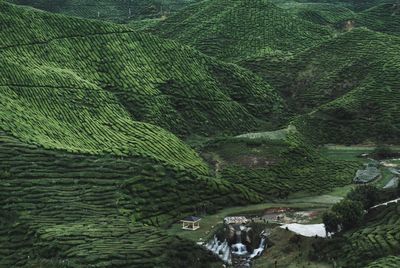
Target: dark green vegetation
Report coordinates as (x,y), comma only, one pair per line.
(237,29)
(347,87)
(83,182)
(362,238)
(92,166)
(276,167)
(387,262)
(98,210)
(382,16)
(377,237)
(329,14)
(120,11)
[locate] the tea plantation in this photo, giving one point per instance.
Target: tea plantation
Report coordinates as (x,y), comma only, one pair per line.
(116,125)
(120,11)
(97,210)
(340,85)
(157,81)
(377,239)
(388,262)
(276,168)
(236,29)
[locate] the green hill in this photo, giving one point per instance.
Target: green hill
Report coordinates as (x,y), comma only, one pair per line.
(382,18)
(388,262)
(83,181)
(276,164)
(234,30)
(120,11)
(317,12)
(75,210)
(157,81)
(347,87)
(372,245)
(355,5)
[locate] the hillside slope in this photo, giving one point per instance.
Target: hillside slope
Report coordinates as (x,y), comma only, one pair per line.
(346,86)
(233,30)
(83,182)
(120,11)
(382,18)
(317,12)
(75,210)
(159,82)
(374,244)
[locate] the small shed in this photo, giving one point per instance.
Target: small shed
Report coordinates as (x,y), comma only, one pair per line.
(191,223)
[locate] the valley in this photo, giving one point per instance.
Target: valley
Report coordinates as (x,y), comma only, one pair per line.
(199,133)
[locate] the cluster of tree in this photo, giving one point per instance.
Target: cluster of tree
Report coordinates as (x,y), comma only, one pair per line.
(383,152)
(349,213)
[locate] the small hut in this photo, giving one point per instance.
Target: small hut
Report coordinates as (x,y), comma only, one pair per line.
(191,223)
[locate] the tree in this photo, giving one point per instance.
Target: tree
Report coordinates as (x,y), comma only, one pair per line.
(331,221)
(368,195)
(383,151)
(350,213)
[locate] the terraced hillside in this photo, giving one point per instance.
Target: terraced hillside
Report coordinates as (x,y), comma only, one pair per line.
(372,244)
(347,86)
(83,182)
(236,29)
(382,18)
(355,5)
(157,81)
(388,262)
(276,164)
(91,210)
(319,12)
(120,11)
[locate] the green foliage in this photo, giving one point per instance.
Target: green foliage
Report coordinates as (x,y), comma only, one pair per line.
(320,13)
(277,168)
(350,213)
(120,11)
(236,29)
(387,262)
(377,238)
(340,85)
(368,195)
(331,221)
(80,210)
(383,152)
(156,81)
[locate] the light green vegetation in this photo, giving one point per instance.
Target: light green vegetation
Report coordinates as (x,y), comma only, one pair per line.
(236,29)
(84,181)
(268,135)
(156,81)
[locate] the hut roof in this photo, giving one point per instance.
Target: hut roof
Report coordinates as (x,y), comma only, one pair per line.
(191,219)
